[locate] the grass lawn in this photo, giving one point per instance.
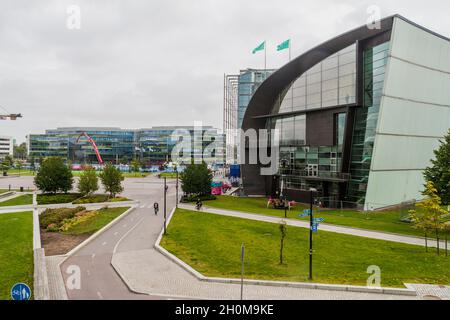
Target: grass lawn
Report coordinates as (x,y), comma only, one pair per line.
(16,251)
(22,172)
(97,222)
(386,220)
(18,201)
(169,175)
(211,244)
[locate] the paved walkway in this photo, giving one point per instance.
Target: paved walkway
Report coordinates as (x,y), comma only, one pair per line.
(323,226)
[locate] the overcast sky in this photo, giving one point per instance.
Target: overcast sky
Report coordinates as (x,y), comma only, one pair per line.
(141,63)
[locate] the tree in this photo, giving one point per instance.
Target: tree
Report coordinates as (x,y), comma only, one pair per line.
(32,162)
(439,171)
(431,214)
(18,166)
(88,182)
(112,178)
(20,151)
(53,176)
(6,164)
(283,231)
(196,179)
(135,165)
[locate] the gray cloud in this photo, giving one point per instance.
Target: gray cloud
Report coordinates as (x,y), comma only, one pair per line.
(142,63)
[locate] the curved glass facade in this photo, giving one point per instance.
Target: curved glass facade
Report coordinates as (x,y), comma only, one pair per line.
(329,83)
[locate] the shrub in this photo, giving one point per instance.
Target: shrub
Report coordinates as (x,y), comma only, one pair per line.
(57,198)
(52,219)
(92,199)
(193,198)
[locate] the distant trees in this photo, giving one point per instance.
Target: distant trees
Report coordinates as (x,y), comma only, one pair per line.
(20,151)
(6,164)
(135,165)
(430,214)
(112,178)
(88,182)
(439,171)
(53,176)
(196,179)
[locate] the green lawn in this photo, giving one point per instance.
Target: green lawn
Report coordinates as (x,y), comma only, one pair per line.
(211,244)
(97,222)
(168,175)
(22,172)
(18,201)
(386,220)
(16,251)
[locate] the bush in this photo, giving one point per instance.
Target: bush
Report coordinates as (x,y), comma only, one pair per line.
(52,219)
(97,198)
(57,198)
(193,198)
(53,176)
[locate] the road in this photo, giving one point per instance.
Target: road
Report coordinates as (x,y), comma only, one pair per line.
(137,231)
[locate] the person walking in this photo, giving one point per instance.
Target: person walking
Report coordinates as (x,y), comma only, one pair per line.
(156,207)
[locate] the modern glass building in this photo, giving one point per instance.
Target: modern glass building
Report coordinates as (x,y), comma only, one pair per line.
(238,91)
(153,146)
(358,116)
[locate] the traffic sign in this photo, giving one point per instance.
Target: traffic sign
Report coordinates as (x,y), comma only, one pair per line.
(307,211)
(319,219)
(315,227)
(21,291)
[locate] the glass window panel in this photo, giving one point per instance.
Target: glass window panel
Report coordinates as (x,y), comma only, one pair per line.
(347,69)
(330,98)
(331,62)
(347,80)
(314,78)
(313,88)
(300,91)
(315,69)
(330,74)
(345,58)
(300,81)
(329,84)
(299,103)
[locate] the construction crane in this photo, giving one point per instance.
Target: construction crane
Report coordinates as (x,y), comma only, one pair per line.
(12,116)
(8,115)
(94,146)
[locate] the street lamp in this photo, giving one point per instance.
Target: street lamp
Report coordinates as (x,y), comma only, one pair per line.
(176,187)
(311,221)
(165,217)
(284,163)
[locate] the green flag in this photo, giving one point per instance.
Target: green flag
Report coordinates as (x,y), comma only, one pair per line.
(262,46)
(284,45)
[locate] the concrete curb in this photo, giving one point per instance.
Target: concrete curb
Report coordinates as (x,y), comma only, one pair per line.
(6,194)
(305,285)
(40,279)
(96,234)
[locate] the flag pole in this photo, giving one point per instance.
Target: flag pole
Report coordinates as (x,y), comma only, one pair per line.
(265,56)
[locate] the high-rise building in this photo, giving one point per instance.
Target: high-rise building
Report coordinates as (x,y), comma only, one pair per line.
(359,116)
(238,91)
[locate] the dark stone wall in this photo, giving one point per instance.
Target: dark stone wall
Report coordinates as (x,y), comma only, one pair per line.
(320,127)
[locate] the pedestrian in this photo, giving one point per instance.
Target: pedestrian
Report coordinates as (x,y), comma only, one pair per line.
(156,207)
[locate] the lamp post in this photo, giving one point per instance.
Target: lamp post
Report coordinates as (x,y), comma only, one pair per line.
(165,217)
(311,221)
(176,187)
(283,193)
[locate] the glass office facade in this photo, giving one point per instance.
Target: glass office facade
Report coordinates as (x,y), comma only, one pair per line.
(248,81)
(331,82)
(151,146)
(374,67)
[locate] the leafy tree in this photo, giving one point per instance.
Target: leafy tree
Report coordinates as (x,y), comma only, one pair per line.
(124,160)
(439,171)
(20,151)
(283,231)
(18,166)
(196,179)
(53,176)
(112,178)
(431,214)
(135,165)
(6,164)
(32,162)
(88,182)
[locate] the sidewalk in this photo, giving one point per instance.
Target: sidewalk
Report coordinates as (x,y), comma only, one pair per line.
(323,226)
